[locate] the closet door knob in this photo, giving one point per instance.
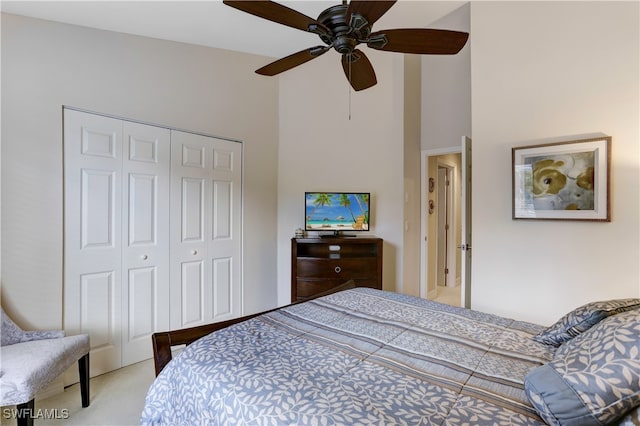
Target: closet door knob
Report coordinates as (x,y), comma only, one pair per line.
(194,252)
(144,257)
(337,269)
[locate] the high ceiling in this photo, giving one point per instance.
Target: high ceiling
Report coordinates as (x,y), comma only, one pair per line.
(211,23)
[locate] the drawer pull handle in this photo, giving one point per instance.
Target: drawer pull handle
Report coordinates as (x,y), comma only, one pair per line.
(338,269)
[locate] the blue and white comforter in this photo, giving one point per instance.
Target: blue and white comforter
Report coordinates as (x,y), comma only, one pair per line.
(360,356)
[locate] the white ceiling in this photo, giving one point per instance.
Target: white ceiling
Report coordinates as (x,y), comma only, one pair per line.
(211,23)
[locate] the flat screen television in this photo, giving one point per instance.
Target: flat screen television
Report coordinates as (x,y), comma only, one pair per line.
(337,212)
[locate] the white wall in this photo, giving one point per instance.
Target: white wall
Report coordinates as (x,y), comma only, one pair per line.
(46,65)
(446,89)
(559,70)
(321,149)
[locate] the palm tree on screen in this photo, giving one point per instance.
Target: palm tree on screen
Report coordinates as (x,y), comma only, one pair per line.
(346,202)
(363,198)
(321,199)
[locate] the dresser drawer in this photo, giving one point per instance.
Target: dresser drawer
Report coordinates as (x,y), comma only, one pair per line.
(349,268)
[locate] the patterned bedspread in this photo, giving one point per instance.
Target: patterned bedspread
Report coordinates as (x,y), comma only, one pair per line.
(360,356)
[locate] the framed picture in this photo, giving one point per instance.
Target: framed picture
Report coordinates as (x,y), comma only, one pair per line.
(563,180)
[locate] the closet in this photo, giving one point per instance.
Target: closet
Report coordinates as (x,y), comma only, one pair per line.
(152,224)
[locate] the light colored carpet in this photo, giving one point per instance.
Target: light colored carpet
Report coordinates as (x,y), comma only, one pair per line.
(448,295)
(117,398)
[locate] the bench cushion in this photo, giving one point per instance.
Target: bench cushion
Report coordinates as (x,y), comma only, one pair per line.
(29,367)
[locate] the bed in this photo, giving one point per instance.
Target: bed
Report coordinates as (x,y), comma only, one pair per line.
(366,356)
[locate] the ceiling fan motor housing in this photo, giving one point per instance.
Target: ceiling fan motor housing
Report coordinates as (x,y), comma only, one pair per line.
(344,44)
(344,36)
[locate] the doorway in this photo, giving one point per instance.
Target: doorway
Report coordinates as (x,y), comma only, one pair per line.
(443,225)
(442,261)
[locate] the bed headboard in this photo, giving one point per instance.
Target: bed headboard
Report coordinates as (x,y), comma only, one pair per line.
(162,342)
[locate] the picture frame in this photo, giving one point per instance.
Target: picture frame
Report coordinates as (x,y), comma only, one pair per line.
(562,180)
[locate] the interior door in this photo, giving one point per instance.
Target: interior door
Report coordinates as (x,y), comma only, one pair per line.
(443,226)
(92,242)
(465,275)
(205,229)
(145,236)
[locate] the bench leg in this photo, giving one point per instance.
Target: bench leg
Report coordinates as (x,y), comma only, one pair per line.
(83,369)
(25,413)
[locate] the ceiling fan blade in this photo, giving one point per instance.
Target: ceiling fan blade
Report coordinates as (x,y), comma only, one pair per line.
(358,70)
(371,10)
(418,40)
(276,12)
(291,61)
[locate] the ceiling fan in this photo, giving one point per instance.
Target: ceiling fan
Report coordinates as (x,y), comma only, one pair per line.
(343,27)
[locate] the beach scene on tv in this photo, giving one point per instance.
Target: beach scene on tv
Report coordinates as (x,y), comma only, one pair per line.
(332,211)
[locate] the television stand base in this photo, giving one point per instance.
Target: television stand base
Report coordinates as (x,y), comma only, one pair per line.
(337,234)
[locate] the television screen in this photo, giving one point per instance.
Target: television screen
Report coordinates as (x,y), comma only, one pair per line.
(337,211)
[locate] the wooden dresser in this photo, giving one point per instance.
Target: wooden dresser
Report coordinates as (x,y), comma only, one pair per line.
(320,264)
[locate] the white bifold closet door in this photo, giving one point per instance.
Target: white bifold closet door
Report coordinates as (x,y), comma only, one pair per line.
(147,248)
(116,236)
(205,230)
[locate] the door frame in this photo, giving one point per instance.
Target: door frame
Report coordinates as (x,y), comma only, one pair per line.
(466,222)
(424,197)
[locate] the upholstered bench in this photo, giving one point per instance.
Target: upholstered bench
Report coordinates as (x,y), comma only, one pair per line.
(32,360)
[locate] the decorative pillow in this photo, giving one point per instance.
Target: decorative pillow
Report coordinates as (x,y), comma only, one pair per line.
(583,318)
(593,379)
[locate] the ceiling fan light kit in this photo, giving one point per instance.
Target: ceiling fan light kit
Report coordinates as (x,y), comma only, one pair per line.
(343,27)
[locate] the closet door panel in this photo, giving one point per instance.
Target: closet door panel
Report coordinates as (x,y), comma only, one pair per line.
(145,234)
(190,208)
(223,291)
(97,317)
(225,240)
(194,208)
(192,282)
(143,201)
(93,249)
(142,289)
(98,205)
(206,179)
(222,210)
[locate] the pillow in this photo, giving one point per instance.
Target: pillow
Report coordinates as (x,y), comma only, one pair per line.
(593,379)
(583,318)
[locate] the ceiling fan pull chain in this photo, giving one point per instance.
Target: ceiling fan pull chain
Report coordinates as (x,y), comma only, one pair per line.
(349,87)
